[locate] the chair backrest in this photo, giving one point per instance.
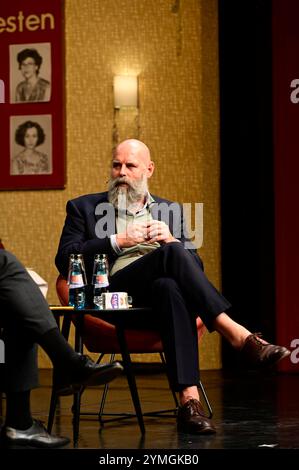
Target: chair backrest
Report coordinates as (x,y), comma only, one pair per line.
(62,290)
(100,336)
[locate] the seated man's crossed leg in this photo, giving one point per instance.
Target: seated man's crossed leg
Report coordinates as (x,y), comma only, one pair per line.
(172,282)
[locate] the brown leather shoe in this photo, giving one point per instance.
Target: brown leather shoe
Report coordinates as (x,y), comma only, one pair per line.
(192,419)
(259,354)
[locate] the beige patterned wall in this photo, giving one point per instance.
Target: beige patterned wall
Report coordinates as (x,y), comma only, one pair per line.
(172,46)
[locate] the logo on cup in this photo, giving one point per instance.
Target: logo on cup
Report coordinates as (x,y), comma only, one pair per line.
(114,301)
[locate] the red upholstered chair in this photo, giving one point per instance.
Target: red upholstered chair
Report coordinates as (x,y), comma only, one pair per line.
(99,336)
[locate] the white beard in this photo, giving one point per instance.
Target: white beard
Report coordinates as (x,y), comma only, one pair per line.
(127,197)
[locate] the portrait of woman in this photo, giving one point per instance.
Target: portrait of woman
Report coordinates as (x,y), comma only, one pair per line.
(33,87)
(30,161)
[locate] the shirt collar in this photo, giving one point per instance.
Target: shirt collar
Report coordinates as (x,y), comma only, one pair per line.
(148,202)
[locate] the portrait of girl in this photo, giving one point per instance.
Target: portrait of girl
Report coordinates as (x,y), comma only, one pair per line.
(30,160)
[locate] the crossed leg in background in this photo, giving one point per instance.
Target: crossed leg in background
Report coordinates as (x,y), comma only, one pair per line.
(26,320)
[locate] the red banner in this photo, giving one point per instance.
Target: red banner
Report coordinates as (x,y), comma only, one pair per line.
(286,152)
(32,95)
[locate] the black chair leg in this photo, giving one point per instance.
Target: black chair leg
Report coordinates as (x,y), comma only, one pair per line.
(53,404)
(130,376)
(100,358)
(66,324)
(170,386)
(77,396)
(202,389)
(104,395)
(76,417)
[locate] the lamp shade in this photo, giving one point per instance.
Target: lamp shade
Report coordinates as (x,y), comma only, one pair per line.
(125,91)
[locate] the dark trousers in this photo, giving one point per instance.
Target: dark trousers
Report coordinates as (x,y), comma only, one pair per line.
(172,283)
(24,316)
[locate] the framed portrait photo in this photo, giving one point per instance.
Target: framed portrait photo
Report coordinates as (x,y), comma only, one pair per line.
(30,72)
(31,145)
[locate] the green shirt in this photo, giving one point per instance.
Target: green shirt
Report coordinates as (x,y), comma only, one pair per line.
(132,253)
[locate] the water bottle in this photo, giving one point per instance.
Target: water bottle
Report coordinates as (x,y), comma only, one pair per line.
(100,280)
(77,281)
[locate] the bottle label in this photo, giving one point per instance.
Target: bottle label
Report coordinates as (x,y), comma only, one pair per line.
(76,280)
(101,280)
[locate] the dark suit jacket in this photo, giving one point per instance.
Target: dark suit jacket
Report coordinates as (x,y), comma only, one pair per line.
(88,215)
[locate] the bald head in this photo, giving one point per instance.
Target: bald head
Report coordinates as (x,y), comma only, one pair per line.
(135,148)
(133,159)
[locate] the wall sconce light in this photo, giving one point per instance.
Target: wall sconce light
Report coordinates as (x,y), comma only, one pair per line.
(125,91)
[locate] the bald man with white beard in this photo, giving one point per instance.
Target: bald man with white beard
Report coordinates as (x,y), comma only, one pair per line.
(149,260)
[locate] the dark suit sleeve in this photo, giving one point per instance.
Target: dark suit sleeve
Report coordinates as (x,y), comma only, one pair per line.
(76,239)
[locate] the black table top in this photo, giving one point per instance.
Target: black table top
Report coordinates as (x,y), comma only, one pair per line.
(117,315)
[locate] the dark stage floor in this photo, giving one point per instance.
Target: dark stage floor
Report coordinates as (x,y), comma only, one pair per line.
(251,411)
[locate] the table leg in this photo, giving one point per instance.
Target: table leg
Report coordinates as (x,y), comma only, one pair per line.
(130,376)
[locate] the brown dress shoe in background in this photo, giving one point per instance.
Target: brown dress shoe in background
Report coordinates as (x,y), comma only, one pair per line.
(192,419)
(259,354)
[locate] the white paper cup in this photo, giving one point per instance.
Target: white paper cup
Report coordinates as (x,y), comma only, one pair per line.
(115,300)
